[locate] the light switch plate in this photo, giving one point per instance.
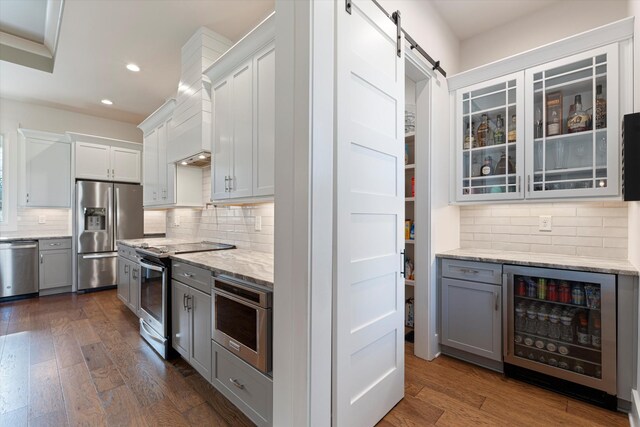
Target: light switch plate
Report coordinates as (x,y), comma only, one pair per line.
(544,223)
(258,223)
(42,219)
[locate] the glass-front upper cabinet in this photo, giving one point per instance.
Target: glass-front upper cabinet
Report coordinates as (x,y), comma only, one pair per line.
(572,126)
(489,139)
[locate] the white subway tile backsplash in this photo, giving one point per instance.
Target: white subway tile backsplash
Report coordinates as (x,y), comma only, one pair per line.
(597,229)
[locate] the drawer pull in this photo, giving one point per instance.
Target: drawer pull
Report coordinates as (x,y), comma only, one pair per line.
(187,274)
(469,271)
(236,383)
(55,244)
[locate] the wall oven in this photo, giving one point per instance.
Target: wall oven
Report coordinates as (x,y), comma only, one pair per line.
(242,320)
(154,316)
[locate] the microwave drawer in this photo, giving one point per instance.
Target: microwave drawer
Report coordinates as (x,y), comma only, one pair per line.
(483,272)
(199,278)
(249,389)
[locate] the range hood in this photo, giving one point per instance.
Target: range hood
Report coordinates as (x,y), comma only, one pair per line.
(200,160)
(190,129)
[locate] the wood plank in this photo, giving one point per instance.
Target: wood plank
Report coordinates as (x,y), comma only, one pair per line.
(589,412)
(84,332)
(53,419)
(164,413)
(95,356)
(106,378)
(81,399)
(45,390)
(411,412)
(68,351)
(121,407)
(16,418)
(204,414)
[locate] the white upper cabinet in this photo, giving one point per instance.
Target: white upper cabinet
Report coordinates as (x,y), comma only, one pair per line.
(45,170)
(243,119)
(93,161)
(549,129)
(264,131)
(107,159)
(165,183)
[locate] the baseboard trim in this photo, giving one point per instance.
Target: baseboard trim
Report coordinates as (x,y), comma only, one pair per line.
(634,415)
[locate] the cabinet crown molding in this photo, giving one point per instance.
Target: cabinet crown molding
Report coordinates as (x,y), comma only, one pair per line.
(82,137)
(591,39)
(158,116)
(257,38)
(47,136)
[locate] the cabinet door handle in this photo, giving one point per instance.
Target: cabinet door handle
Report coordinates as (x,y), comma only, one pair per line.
(108,176)
(113,173)
(236,383)
(403,260)
(41,259)
(529,183)
(189,303)
(226,184)
(27,197)
(469,271)
(135,273)
(518,183)
(497,295)
(126,268)
(184,301)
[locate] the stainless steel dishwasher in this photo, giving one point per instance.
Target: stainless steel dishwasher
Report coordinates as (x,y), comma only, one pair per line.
(18,268)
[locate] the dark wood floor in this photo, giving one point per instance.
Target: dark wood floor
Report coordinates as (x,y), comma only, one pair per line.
(449,392)
(79,360)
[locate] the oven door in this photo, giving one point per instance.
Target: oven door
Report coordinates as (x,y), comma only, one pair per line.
(153,296)
(242,328)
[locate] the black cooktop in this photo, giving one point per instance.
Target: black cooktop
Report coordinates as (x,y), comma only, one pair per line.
(184,248)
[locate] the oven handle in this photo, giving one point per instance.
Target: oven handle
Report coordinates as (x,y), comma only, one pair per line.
(151,267)
(150,334)
(239,300)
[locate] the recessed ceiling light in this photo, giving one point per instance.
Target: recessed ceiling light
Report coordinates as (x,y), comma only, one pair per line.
(107,102)
(184,163)
(202,156)
(133,67)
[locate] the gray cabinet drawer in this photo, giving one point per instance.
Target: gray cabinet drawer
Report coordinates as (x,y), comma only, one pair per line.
(197,277)
(250,390)
(474,271)
(52,244)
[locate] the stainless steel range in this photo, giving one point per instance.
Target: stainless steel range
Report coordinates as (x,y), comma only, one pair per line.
(155,273)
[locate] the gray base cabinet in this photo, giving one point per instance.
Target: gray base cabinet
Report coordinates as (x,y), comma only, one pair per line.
(128,279)
(55,264)
(191,316)
(247,388)
(471,309)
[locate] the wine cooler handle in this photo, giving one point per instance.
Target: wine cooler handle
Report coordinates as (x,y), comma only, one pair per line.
(505,315)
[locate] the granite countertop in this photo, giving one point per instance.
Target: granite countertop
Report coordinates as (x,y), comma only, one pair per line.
(33,237)
(256,267)
(153,241)
(566,262)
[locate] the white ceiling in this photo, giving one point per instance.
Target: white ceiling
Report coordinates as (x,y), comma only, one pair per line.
(99,37)
(24,18)
(468,18)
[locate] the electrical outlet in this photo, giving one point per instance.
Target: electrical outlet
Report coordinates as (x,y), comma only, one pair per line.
(544,223)
(42,219)
(258,223)
(176,221)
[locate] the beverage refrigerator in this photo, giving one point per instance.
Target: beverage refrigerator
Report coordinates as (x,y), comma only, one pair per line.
(560,330)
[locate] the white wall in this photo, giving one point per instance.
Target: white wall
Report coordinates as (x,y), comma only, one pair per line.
(422,21)
(564,19)
(15,114)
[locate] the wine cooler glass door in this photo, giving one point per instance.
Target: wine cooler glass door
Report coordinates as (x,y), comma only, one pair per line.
(572,126)
(563,324)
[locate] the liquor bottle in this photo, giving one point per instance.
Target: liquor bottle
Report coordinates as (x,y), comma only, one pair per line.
(579,120)
(487,167)
(498,134)
(482,133)
(512,130)
(469,140)
(601,109)
(554,113)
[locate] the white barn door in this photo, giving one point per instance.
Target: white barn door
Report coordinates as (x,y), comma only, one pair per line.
(368,353)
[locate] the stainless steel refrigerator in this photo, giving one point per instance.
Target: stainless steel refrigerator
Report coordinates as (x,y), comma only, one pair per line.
(105,212)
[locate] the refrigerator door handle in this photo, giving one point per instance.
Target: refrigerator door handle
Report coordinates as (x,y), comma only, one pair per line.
(116,203)
(98,256)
